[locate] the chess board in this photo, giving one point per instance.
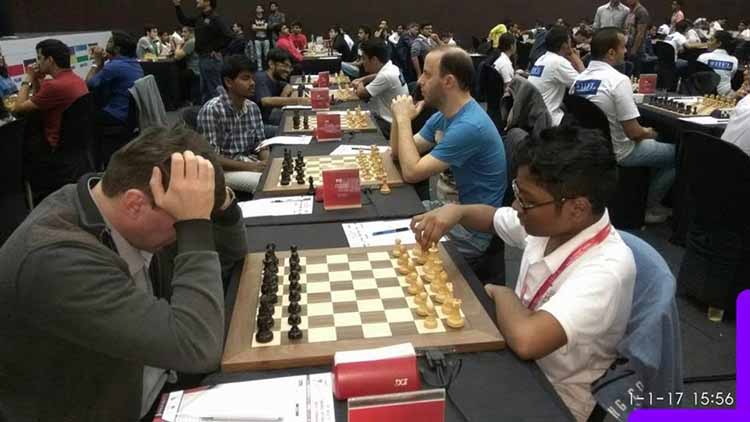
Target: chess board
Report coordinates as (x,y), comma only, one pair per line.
(351,299)
(343,95)
(314,166)
(311,79)
(689,106)
(370,125)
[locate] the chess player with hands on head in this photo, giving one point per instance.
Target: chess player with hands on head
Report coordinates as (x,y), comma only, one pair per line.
(120,277)
(559,219)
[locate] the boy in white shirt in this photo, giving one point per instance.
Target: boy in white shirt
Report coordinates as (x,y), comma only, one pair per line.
(573,297)
(724,64)
(739,124)
(503,64)
(634,145)
(555,71)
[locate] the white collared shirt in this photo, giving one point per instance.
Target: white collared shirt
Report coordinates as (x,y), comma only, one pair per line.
(552,75)
(612,92)
(724,65)
(504,67)
(739,125)
(591,300)
(678,41)
(387,85)
(608,16)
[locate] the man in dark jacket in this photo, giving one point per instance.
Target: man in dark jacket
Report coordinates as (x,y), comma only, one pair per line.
(212,36)
(114,283)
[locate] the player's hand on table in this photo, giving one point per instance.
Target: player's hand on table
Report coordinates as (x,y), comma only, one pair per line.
(403,105)
(190,194)
(492,289)
(303,100)
(430,227)
(256,166)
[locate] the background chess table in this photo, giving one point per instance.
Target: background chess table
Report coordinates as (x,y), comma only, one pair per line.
(705,106)
(351,299)
(314,166)
(370,125)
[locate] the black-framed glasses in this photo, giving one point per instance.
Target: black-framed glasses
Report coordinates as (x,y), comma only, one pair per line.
(525,205)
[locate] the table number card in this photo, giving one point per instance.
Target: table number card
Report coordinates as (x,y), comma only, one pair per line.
(320,99)
(341,189)
(328,127)
(324,79)
(647,84)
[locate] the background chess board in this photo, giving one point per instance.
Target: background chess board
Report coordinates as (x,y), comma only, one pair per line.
(313,122)
(314,166)
(703,111)
(351,299)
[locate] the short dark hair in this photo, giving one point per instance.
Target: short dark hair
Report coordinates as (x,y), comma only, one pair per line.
(506,42)
(604,40)
(278,55)
(273,3)
(413,24)
(366,29)
(556,37)
(682,26)
(56,49)
(375,48)
(297,23)
(240,25)
(149,27)
(132,165)
(124,43)
(726,40)
(455,61)
(570,162)
(422,25)
(234,65)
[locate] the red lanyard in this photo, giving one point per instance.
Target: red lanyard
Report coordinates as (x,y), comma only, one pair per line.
(597,239)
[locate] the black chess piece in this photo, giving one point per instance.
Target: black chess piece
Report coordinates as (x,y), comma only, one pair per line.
(301,90)
(311,188)
(295,267)
(264,334)
(294,308)
(271,247)
(294,296)
(306,122)
(301,177)
(295,333)
(296,120)
(294,319)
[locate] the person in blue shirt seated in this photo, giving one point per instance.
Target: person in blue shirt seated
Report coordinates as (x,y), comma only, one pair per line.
(110,83)
(460,138)
(7,86)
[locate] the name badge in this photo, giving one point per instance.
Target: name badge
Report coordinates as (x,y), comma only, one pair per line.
(720,65)
(586,88)
(536,71)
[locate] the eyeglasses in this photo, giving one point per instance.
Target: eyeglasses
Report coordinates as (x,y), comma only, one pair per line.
(525,205)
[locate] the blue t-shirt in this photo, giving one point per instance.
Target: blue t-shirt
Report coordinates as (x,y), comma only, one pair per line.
(266,87)
(112,83)
(7,87)
(475,152)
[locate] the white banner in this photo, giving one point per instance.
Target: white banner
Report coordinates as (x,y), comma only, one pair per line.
(20,52)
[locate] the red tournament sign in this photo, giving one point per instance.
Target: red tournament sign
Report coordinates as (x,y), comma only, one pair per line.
(647,84)
(324,79)
(320,99)
(341,189)
(328,127)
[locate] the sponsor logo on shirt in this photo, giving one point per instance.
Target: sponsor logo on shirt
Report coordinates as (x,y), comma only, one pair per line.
(720,65)
(536,71)
(586,88)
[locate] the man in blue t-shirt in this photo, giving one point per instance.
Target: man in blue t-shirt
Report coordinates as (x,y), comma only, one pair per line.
(460,137)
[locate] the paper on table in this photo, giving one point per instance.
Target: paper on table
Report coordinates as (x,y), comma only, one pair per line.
(285,140)
(297,107)
(368,234)
(291,399)
(705,120)
(355,149)
(288,205)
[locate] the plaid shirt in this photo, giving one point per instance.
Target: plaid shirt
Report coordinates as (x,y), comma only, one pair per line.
(232,134)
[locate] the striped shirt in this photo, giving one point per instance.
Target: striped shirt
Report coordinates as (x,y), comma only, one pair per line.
(232,134)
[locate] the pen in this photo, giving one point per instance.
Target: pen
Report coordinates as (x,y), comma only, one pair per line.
(242,418)
(278,201)
(391,231)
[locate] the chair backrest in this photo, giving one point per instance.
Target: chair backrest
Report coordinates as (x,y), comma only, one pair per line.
(490,84)
(190,117)
(700,83)
(586,114)
(664,51)
(77,125)
(717,175)
(11,157)
(145,93)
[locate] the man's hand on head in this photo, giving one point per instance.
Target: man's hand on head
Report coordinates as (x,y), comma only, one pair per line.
(190,195)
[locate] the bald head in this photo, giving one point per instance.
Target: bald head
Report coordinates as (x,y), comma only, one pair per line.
(457,62)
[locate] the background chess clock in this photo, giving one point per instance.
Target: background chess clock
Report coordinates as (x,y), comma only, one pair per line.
(291,176)
(298,308)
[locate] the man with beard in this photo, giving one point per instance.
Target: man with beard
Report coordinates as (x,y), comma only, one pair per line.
(272,88)
(460,137)
(233,126)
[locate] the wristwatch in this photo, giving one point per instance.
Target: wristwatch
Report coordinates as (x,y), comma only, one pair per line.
(25,83)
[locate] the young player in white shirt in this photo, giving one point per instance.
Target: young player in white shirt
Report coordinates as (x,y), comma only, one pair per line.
(739,124)
(724,64)
(555,71)
(573,297)
(634,145)
(503,64)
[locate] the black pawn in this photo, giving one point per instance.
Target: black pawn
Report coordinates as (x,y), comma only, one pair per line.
(264,336)
(301,90)
(294,308)
(294,319)
(311,189)
(295,333)
(296,120)
(306,122)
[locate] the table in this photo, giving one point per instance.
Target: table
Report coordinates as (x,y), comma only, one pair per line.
(490,385)
(316,64)
(167,75)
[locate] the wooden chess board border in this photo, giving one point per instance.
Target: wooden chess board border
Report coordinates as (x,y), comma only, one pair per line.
(672,113)
(271,185)
(479,334)
(289,122)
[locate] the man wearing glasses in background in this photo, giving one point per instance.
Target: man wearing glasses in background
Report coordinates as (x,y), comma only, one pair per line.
(573,297)
(272,88)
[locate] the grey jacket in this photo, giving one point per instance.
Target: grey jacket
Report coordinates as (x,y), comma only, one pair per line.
(76,332)
(529,111)
(146,95)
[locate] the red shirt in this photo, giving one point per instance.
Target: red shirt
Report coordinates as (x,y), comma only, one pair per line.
(300,41)
(54,96)
(286,43)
